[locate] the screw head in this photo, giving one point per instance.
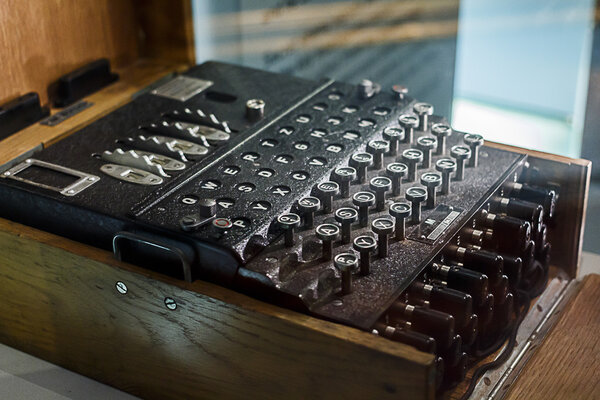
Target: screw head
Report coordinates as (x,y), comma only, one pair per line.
(121,287)
(170,303)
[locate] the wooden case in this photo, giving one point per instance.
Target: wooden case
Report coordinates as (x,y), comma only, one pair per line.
(161,338)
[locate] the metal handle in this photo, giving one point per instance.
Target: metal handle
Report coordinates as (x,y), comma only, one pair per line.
(120,236)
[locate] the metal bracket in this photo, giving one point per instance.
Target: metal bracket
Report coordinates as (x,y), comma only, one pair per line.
(85,180)
(132,237)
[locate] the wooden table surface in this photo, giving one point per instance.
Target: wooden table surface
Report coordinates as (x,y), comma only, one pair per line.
(567,366)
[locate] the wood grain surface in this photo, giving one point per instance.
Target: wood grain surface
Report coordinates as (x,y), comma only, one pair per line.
(132,80)
(40,40)
(567,366)
(60,304)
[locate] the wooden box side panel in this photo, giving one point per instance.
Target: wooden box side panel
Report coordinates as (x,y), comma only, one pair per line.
(60,303)
(566,231)
(40,40)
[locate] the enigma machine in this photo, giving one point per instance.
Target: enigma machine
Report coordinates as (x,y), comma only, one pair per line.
(352,204)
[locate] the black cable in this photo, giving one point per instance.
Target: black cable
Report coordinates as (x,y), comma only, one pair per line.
(533,288)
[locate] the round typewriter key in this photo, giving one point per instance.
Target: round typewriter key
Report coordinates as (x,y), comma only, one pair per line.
(383,227)
(346,263)
(261,206)
(346,216)
(222,223)
(343,176)
(380,185)
(317,161)
(412,157)
(363,200)
(281,190)
(394,135)
(284,159)
(409,123)
(441,132)
(361,161)
(416,195)
(426,144)
(286,130)
(207,207)
(446,166)
(301,146)
(400,211)
(269,143)
(378,148)
(327,233)
(250,156)
(396,171)
(308,206)
(289,222)
(365,245)
(460,154)
(431,180)
(474,141)
(265,172)
(225,203)
(245,187)
(325,192)
(423,110)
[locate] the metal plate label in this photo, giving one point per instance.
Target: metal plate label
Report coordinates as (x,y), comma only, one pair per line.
(66,113)
(182,88)
(434,226)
